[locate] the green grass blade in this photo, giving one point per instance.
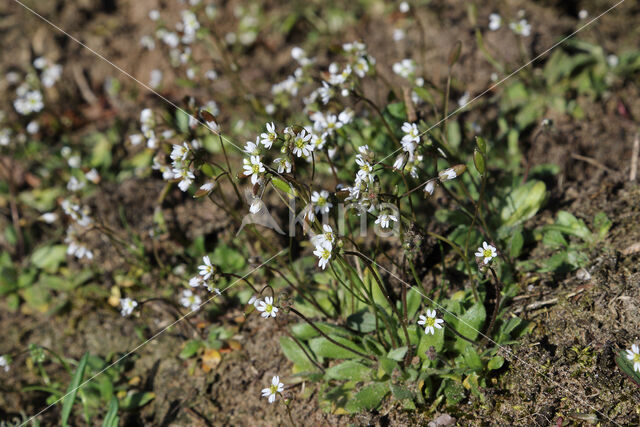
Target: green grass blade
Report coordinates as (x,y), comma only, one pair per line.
(73,389)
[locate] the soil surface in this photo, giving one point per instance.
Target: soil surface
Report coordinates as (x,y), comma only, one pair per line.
(563,371)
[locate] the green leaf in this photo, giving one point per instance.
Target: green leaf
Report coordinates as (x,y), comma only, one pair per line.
(304,331)
(190,349)
(49,258)
(229,259)
(101,153)
(413,302)
(349,370)
(401,393)
(368,398)
(523,203)
(471,358)
(324,348)
(626,366)
(469,323)
(72,390)
(569,224)
(495,363)
(516,244)
(602,224)
(294,353)
(397,110)
(136,399)
(427,340)
(387,365)
(283,186)
(397,354)
(362,321)
(111,419)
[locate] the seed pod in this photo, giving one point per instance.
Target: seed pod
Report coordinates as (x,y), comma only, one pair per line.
(481,144)
(478,161)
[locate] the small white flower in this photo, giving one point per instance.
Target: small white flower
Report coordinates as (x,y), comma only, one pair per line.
(430,187)
(33,127)
(190,300)
(321,202)
(186,178)
(447,174)
(634,355)
(49,217)
(405,68)
(495,22)
(487,252)
(404,7)
(464,99)
(398,34)
(283,165)
(267,138)
(207,187)
(430,322)
(127,306)
(4,363)
(252,148)
(612,60)
(301,145)
(276,388)
(196,281)
(206,269)
(267,308)
(583,14)
(323,252)
(154,15)
(155,78)
(93,176)
(384,220)
(136,139)
(522,28)
(326,236)
(256,205)
(74,184)
(254,301)
(253,168)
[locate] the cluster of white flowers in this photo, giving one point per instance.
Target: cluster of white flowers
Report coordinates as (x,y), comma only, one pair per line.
(50,72)
(521,27)
(405,68)
(74,246)
(323,243)
(410,160)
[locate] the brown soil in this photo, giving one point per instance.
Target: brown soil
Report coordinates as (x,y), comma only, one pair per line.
(573,341)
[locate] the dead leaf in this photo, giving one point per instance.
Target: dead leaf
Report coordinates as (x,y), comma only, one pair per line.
(210,359)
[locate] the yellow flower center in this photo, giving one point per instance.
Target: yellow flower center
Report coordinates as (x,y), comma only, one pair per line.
(431,321)
(255,168)
(636,358)
(487,253)
(273,389)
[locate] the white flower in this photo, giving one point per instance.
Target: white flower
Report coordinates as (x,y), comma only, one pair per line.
(361,67)
(447,174)
(464,99)
(404,7)
(252,148)
(127,306)
(49,217)
(326,236)
(522,28)
(5,136)
(405,68)
(254,301)
(276,388)
(33,127)
(320,201)
(430,187)
(323,252)
(267,308)
(136,139)
(31,102)
(190,300)
(384,219)
(196,281)
(487,252)
(154,15)
(301,145)
(211,74)
(283,165)
(74,184)
(634,355)
(207,187)
(346,116)
(612,60)
(398,34)
(93,176)
(267,138)
(365,172)
(256,205)
(430,322)
(495,22)
(253,168)
(186,178)
(4,363)
(583,14)
(155,78)
(206,269)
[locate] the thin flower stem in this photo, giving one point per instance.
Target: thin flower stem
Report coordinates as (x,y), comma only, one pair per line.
(304,350)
